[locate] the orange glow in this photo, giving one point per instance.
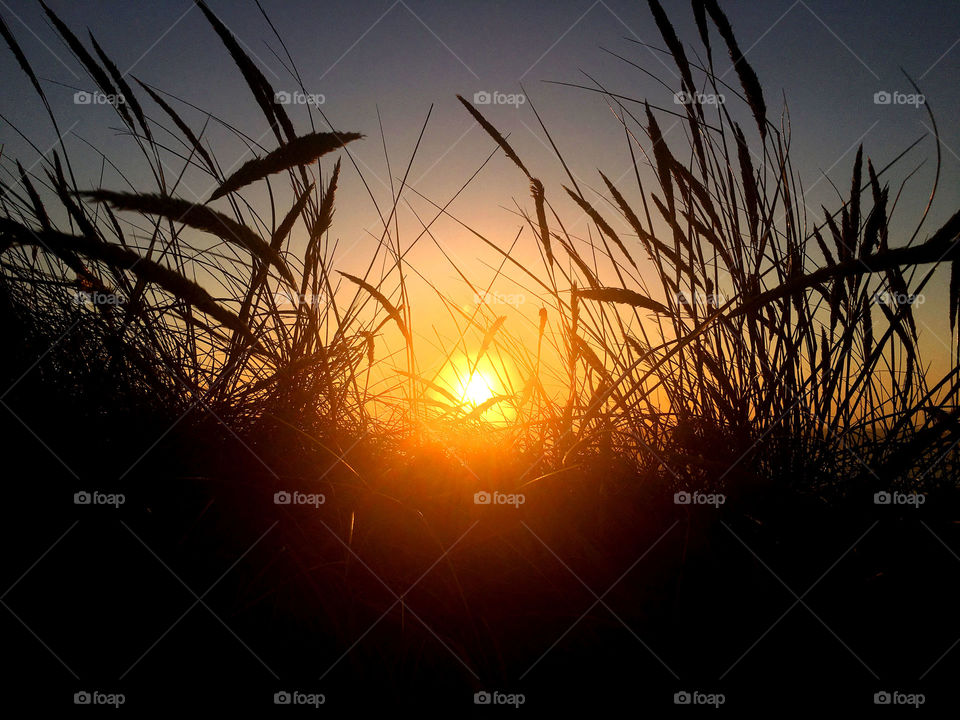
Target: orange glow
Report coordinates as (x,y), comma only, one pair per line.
(474,389)
(474,386)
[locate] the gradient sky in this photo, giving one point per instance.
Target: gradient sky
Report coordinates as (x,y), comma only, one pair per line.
(826,59)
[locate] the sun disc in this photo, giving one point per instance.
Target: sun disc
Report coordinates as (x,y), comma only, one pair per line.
(476,390)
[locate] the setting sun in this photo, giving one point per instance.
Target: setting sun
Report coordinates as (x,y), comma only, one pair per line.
(475,389)
(472,385)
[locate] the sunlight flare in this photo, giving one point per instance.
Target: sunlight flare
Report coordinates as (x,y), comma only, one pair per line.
(475,389)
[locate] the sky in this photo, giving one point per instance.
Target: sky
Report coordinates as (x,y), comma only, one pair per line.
(390,62)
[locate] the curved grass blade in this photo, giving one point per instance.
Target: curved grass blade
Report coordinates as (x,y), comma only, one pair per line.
(120,258)
(601,223)
(299,151)
(380,298)
(623,296)
(494,133)
(199,217)
(748,78)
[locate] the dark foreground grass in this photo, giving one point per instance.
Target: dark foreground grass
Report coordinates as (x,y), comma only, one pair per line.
(599,591)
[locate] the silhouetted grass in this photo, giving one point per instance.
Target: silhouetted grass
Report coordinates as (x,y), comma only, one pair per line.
(707,336)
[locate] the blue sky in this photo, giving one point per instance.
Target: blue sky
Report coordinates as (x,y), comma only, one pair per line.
(824,60)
